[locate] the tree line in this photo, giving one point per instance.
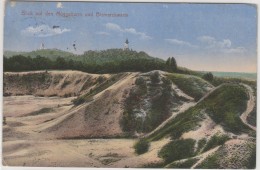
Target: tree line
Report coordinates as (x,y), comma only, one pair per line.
(143,64)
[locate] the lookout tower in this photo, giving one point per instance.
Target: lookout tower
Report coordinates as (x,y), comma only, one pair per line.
(42,46)
(126,45)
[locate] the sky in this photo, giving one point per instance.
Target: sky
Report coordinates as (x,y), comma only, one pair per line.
(205,37)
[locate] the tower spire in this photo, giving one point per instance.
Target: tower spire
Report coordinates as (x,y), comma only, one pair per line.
(126,45)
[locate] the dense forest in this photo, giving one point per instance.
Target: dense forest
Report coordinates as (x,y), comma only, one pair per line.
(106,61)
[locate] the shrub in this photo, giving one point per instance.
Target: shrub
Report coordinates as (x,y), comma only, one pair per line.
(155,77)
(141,146)
(140,81)
(208,76)
(178,149)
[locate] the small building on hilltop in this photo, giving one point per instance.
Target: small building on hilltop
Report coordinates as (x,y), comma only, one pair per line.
(126,45)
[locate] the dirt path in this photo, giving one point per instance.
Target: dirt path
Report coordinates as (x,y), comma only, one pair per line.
(206,95)
(250,106)
(204,156)
(183,108)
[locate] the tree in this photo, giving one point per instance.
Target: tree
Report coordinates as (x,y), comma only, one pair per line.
(208,76)
(171,64)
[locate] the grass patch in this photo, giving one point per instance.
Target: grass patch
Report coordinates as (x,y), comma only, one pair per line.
(177,149)
(142,146)
(185,164)
(41,111)
(216,140)
(191,85)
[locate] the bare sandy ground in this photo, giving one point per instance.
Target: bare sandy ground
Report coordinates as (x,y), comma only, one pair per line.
(22,105)
(78,153)
(23,145)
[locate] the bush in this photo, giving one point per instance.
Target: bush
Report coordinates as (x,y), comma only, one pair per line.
(155,77)
(141,146)
(140,81)
(208,76)
(178,149)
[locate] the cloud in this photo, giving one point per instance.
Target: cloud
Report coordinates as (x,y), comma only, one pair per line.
(115,27)
(206,39)
(43,31)
(59,5)
(180,43)
(236,50)
(103,33)
(224,45)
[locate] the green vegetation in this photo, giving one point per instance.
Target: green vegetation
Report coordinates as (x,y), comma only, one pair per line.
(148,104)
(184,165)
(191,85)
(48,53)
(41,111)
(99,88)
(224,106)
(211,162)
(141,146)
(208,76)
(107,61)
(252,117)
(177,149)
(201,144)
(216,140)
(171,64)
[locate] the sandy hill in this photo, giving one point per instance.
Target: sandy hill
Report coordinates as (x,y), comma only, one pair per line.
(189,122)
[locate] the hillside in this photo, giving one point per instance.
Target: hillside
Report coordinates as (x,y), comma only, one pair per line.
(186,121)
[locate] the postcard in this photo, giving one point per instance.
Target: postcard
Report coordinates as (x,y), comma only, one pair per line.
(129,85)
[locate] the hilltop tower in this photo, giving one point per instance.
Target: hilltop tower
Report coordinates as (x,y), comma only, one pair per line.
(42,46)
(126,45)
